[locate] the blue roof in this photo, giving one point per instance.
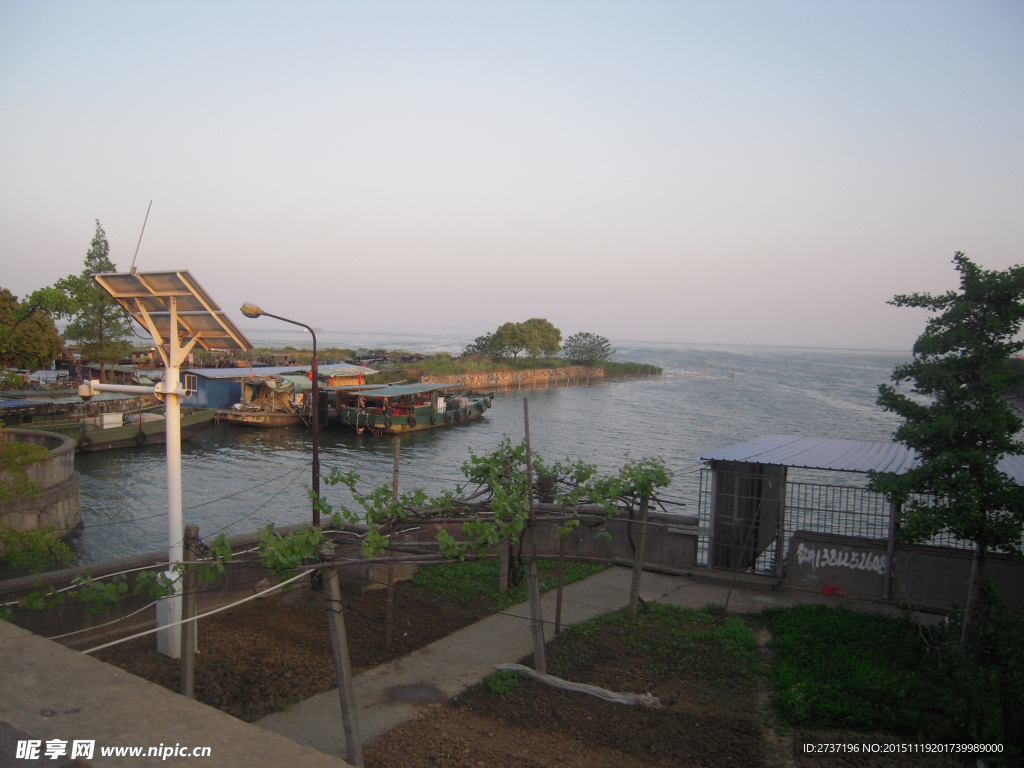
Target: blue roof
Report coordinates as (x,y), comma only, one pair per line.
(241,373)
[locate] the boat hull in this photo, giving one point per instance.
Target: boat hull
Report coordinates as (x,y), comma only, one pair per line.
(132,435)
(262,419)
(399,425)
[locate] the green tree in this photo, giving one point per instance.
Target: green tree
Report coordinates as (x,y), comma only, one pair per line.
(960,365)
(98,322)
(587,348)
(549,338)
(482,346)
(512,339)
(28,337)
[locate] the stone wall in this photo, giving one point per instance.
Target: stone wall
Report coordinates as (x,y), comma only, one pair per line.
(59,502)
(514,379)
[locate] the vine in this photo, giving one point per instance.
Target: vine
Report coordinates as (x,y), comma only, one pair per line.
(494,503)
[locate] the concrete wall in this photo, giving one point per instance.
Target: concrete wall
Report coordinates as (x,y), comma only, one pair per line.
(932,578)
(513,379)
(59,501)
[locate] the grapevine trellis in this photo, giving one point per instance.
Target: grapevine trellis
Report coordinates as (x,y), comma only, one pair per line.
(497,507)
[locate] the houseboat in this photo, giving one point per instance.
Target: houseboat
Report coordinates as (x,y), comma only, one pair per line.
(267,401)
(114,422)
(400,408)
(275,397)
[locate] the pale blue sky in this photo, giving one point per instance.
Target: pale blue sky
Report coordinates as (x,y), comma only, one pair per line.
(765,173)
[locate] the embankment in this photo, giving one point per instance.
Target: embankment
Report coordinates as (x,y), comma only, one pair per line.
(506,379)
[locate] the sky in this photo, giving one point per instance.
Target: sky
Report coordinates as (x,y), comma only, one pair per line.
(718,172)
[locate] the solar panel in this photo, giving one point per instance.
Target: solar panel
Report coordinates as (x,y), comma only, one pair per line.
(149,293)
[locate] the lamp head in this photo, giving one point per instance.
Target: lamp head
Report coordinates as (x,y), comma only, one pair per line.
(251,310)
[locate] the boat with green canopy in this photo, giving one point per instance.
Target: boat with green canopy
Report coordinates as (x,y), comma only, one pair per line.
(400,408)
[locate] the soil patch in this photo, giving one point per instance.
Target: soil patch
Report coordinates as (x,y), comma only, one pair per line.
(263,656)
(708,670)
(708,715)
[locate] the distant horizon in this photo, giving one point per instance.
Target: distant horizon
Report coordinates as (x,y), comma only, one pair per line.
(767,174)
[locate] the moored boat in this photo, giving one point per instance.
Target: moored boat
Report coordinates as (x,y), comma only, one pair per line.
(120,429)
(402,408)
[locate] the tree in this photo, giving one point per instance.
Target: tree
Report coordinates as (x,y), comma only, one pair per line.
(549,338)
(961,363)
(587,348)
(513,338)
(482,346)
(28,337)
(97,321)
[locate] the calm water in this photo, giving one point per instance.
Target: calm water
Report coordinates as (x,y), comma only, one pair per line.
(240,479)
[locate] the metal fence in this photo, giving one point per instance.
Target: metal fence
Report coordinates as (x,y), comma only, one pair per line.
(745,507)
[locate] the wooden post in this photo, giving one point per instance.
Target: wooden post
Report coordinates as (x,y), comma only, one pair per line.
(533,587)
(389,600)
(638,560)
(561,583)
(342,668)
(503,566)
(188,610)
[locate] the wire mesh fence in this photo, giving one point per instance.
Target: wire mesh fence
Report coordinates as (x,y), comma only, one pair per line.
(744,531)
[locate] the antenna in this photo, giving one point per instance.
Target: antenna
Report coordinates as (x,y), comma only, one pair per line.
(132,270)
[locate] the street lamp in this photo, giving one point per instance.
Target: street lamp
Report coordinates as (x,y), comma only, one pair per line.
(251,310)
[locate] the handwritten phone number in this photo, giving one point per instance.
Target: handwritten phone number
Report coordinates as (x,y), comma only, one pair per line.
(827,748)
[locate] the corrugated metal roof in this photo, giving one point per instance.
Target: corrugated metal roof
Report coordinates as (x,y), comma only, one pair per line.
(344,369)
(819,453)
(835,454)
(270,370)
(399,389)
(238,373)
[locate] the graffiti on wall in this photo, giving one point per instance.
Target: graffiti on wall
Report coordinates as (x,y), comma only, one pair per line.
(825,557)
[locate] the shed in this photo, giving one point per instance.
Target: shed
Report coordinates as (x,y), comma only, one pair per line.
(749,484)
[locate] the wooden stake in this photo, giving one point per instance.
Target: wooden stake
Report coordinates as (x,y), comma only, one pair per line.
(638,560)
(342,668)
(503,566)
(188,610)
(533,587)
(389,600)
(561,583)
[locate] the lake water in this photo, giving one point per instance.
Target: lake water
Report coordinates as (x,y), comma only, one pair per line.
(239,479)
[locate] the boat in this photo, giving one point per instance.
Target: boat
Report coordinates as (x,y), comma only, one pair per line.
(401,408)
(257,418)
(267,401)
(116,428)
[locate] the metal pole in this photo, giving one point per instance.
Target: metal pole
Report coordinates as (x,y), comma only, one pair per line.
(315,423)
(780,538)
(890,549)
(169,609)
(188,631)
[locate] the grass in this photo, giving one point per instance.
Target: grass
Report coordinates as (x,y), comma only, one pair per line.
(837,668)
(504,681)
(478,579)
(678,642)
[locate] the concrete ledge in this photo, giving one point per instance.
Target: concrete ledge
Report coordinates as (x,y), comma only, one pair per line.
(51,692)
